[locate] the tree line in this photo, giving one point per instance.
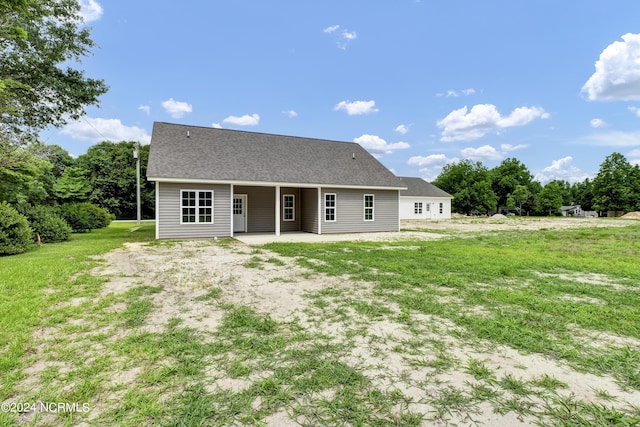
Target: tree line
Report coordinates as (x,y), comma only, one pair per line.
(510,186)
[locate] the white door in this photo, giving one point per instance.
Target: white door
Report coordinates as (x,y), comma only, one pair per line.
(239,213)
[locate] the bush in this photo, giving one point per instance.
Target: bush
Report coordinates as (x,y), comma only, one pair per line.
(84,216)
(45,222)
(15,233)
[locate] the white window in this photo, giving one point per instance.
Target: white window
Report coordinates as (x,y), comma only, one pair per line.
(288,207)
(441,206)
(330,207)
(368,207)
(428,207)
(417,208)
(196,206)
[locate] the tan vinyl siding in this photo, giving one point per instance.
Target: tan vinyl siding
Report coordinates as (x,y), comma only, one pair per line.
(309,210)
(261,208)
(350,211)
(168,212)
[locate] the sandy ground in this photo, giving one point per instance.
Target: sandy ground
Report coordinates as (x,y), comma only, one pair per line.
(188,269)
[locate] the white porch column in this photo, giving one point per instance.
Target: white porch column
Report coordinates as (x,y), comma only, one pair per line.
(320,213)
(231,210)
(277,210)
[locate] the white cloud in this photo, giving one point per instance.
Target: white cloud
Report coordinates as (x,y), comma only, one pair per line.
(635,110)
(290,113)
(90,10)
(455,94)
(145,108)
(331,29)
(561,169)
(617,75)
(507,148)
(176,109)
(597,123)
(343,38)
(431,165)
(634,153)
(430,160)
(612,139)
(246,120)
(484,153)
(97,130)
(357,108)
(465,125)
(216,125)
(402,129)
(376,144)
(488,153)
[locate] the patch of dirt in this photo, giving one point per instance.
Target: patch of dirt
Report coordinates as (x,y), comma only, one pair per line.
(186,272)
(481,224)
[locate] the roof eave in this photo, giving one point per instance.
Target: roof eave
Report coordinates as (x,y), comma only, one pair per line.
(271,183)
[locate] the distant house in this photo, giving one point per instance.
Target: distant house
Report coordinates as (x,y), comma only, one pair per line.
(576,210)
(219,182)
(572,210)
(422,200)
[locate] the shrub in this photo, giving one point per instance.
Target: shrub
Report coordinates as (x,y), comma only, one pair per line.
(84,216)
(15,233)
(45,222)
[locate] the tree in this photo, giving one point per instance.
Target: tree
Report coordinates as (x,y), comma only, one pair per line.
(550,198)
(470,186)
(520,196)
(111,173)
(507,176)
(617,185)
(72,185)
(38,87)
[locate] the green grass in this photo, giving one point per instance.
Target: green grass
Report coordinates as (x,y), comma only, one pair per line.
(33,283)
(516,289)
(501,295)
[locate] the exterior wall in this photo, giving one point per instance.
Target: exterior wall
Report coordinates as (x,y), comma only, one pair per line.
(261,206)
(309,210)
(295,224)
(168,212)
(407,208)
(350,211)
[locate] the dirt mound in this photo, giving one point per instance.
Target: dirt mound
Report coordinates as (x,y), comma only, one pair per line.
(499,216)
(631,215)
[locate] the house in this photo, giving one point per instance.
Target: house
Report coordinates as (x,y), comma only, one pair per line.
(219,182)
(576,210)
(422,200)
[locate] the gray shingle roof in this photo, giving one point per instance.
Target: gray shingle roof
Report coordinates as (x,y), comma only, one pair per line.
(191,152)
(420,187)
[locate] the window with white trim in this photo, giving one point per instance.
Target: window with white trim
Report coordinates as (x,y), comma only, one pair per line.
(288,207)
(368,207)
(330,207)
(196,206)
(441,207)
(417,208)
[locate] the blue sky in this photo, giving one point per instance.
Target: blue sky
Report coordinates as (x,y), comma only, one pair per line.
(420,84)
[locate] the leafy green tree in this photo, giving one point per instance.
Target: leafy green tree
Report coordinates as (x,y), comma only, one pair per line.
(550,198)
(39,40)
(583,194)
(15,233)
(72,185)
(617,185)
(470,186)
(111,173)
(507,176)
(521,195)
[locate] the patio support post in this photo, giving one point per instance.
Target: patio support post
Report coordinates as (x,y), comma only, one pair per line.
(320,210)
(277,210)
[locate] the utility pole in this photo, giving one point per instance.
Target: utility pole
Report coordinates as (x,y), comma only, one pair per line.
(136,155)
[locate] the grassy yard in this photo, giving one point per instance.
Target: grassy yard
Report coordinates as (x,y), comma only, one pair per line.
(492,328)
